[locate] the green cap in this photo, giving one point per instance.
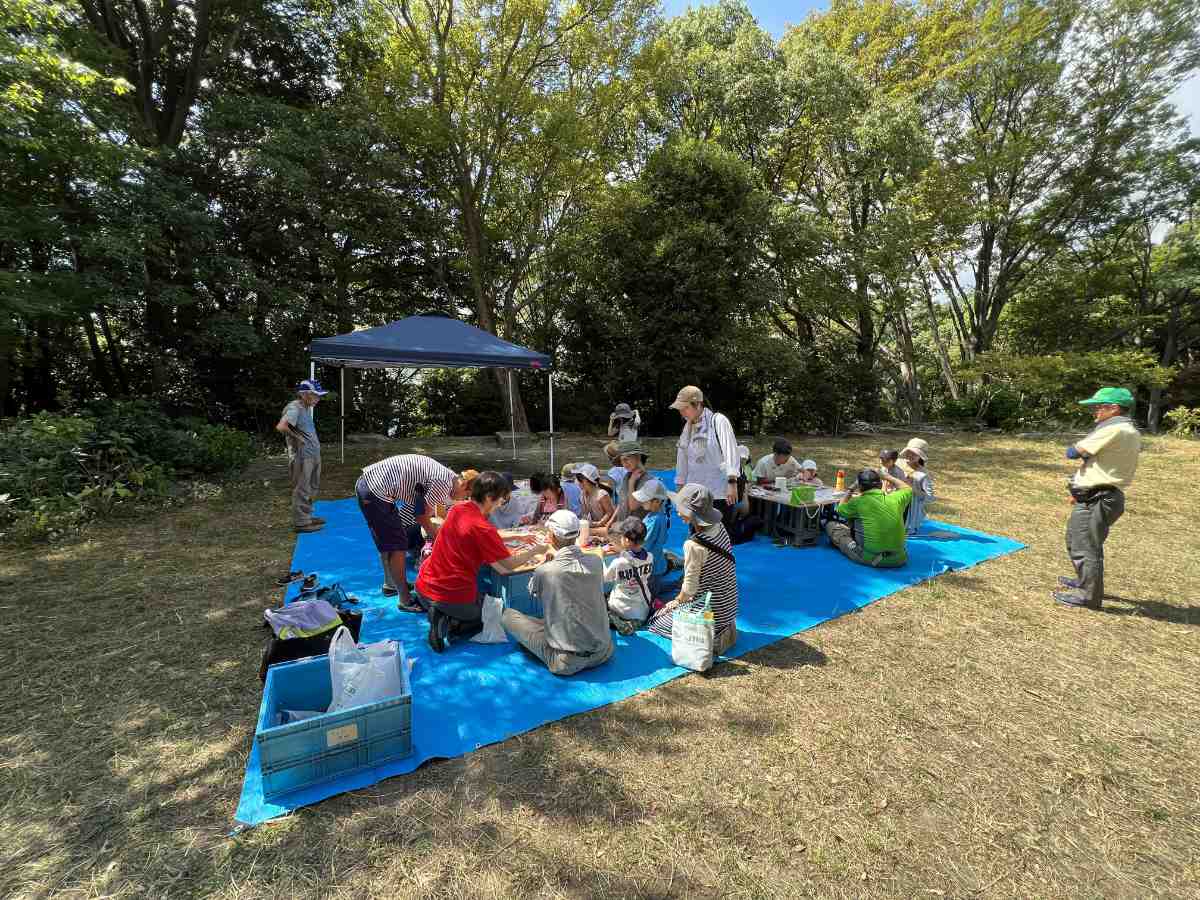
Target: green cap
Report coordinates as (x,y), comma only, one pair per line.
(1119,396)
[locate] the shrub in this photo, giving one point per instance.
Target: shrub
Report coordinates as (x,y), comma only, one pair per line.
(1184,421)
(59,471)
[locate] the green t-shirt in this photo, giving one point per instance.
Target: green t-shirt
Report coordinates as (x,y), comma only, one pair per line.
(882,518)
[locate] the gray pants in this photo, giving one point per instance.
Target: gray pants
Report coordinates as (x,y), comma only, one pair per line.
(306,484)
(530,633)
(1087,529)
(843,537)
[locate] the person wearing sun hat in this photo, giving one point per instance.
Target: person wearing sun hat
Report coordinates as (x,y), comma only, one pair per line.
(304,453)
(623,424)
(912,462)
(707,452)
(1107,459)
(573,632)
(633,460)
(708,565)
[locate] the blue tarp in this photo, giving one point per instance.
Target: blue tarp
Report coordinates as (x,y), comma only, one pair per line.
(477,694)
(429,341)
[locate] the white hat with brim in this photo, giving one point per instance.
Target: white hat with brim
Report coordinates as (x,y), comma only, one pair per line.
(651,489)
(696,502)
(919,446)
(588,471)
(808,464)
(563,524)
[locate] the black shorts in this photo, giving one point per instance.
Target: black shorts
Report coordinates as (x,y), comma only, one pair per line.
(388,530)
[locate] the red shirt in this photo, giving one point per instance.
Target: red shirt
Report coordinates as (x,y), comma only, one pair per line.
(465,542)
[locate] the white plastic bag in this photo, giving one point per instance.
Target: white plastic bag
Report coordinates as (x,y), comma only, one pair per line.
(692,639)
(493,632)
(363,674)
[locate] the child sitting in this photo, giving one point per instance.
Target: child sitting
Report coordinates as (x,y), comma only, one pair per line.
(629,600)
(551,498)
(808,474)
(571,489)
(652,495)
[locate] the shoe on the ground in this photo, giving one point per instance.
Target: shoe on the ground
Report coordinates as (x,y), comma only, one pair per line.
(436,642)
(412,606)
(309,584)
(389,591)
(309,527)
(1066,598)
(318,520)
(285,580)
(1070,584)
(622,626)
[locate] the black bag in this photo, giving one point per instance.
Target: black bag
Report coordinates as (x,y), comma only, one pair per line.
(279,651)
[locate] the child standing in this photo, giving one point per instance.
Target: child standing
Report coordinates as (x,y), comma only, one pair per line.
(629,601)
(912,460)
(888,464)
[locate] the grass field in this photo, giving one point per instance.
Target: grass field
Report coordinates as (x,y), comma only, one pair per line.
(964,738)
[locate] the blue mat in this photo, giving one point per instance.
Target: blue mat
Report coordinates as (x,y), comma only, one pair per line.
(478,694)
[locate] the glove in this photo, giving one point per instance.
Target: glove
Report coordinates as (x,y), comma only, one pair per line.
(1072,453)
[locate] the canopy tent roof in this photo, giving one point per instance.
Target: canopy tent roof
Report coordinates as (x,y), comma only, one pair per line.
(424,342)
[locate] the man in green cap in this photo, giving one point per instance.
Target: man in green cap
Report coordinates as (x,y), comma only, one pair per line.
(1108,458)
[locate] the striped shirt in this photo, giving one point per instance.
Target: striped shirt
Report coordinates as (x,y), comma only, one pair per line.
(717,574)
(395,480)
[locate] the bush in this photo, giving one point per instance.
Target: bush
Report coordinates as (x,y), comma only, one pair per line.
(57,472)
(1184,421)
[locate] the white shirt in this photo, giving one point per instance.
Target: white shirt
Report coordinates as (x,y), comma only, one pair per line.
(627,599)
(707,454)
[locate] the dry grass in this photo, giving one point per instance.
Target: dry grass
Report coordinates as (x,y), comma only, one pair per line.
(964,738)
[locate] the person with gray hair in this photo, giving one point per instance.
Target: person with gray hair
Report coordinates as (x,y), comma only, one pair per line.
(304,454)
(573,633)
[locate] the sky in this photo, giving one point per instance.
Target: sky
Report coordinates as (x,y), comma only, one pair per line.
(776,15)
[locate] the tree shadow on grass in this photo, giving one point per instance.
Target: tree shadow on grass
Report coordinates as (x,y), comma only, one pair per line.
(1153,609)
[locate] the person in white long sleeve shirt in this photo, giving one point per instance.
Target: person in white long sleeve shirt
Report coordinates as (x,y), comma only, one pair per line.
(708,449)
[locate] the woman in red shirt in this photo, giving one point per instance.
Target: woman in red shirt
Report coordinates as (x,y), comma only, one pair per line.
(447,586)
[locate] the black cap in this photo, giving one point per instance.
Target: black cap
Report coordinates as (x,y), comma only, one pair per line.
(782,447)
(869,480)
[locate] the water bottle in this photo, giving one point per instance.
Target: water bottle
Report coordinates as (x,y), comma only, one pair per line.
(841,480)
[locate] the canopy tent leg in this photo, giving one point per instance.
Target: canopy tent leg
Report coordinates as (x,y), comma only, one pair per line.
(553,469)
(512,415)
(342,398)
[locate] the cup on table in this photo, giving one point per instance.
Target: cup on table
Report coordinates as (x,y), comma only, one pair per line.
(781,483)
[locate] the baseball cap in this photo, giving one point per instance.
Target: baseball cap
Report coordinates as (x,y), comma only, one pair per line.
(588,471)
(1119,396)
(651,489)
(689,394)
(311,386)
(782,447)
(743,452)
(809,464)
(696,501)
(563,523)
(469,475)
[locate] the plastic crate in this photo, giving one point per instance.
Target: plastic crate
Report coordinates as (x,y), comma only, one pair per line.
(313,750)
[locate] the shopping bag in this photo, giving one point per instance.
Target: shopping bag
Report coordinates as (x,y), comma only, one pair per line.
(693,634)
(362,674)
(493,632)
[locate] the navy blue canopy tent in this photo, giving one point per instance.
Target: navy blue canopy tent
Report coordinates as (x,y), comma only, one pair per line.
(432,341)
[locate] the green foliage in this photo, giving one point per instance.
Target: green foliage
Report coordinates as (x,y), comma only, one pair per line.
(1184,421)
(1032,390)
(59,471)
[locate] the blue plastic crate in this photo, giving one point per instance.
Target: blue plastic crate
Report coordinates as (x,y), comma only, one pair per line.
(312,750)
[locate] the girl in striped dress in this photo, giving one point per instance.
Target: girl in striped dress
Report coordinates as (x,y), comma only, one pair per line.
(708,565)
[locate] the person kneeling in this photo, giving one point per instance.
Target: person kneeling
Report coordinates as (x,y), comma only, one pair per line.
(573,635)
(447,585)
(875,533)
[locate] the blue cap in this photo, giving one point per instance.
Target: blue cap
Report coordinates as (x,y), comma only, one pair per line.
(312,387)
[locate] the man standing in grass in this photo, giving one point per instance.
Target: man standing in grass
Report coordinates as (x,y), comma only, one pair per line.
(875,533)
(1108,458)
(304,453)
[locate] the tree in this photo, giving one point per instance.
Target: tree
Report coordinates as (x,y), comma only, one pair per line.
(519,107)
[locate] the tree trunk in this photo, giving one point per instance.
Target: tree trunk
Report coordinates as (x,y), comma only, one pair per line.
(114,352)
(98,366)
(1170,350)
(908,367)
(942,354)
(867,389)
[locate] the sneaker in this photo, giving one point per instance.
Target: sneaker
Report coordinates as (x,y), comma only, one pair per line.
(317,520)
(1070,584)
(309,584)
(311,526)
(285,580)
(436,642)
(389,591)
(1067,598)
